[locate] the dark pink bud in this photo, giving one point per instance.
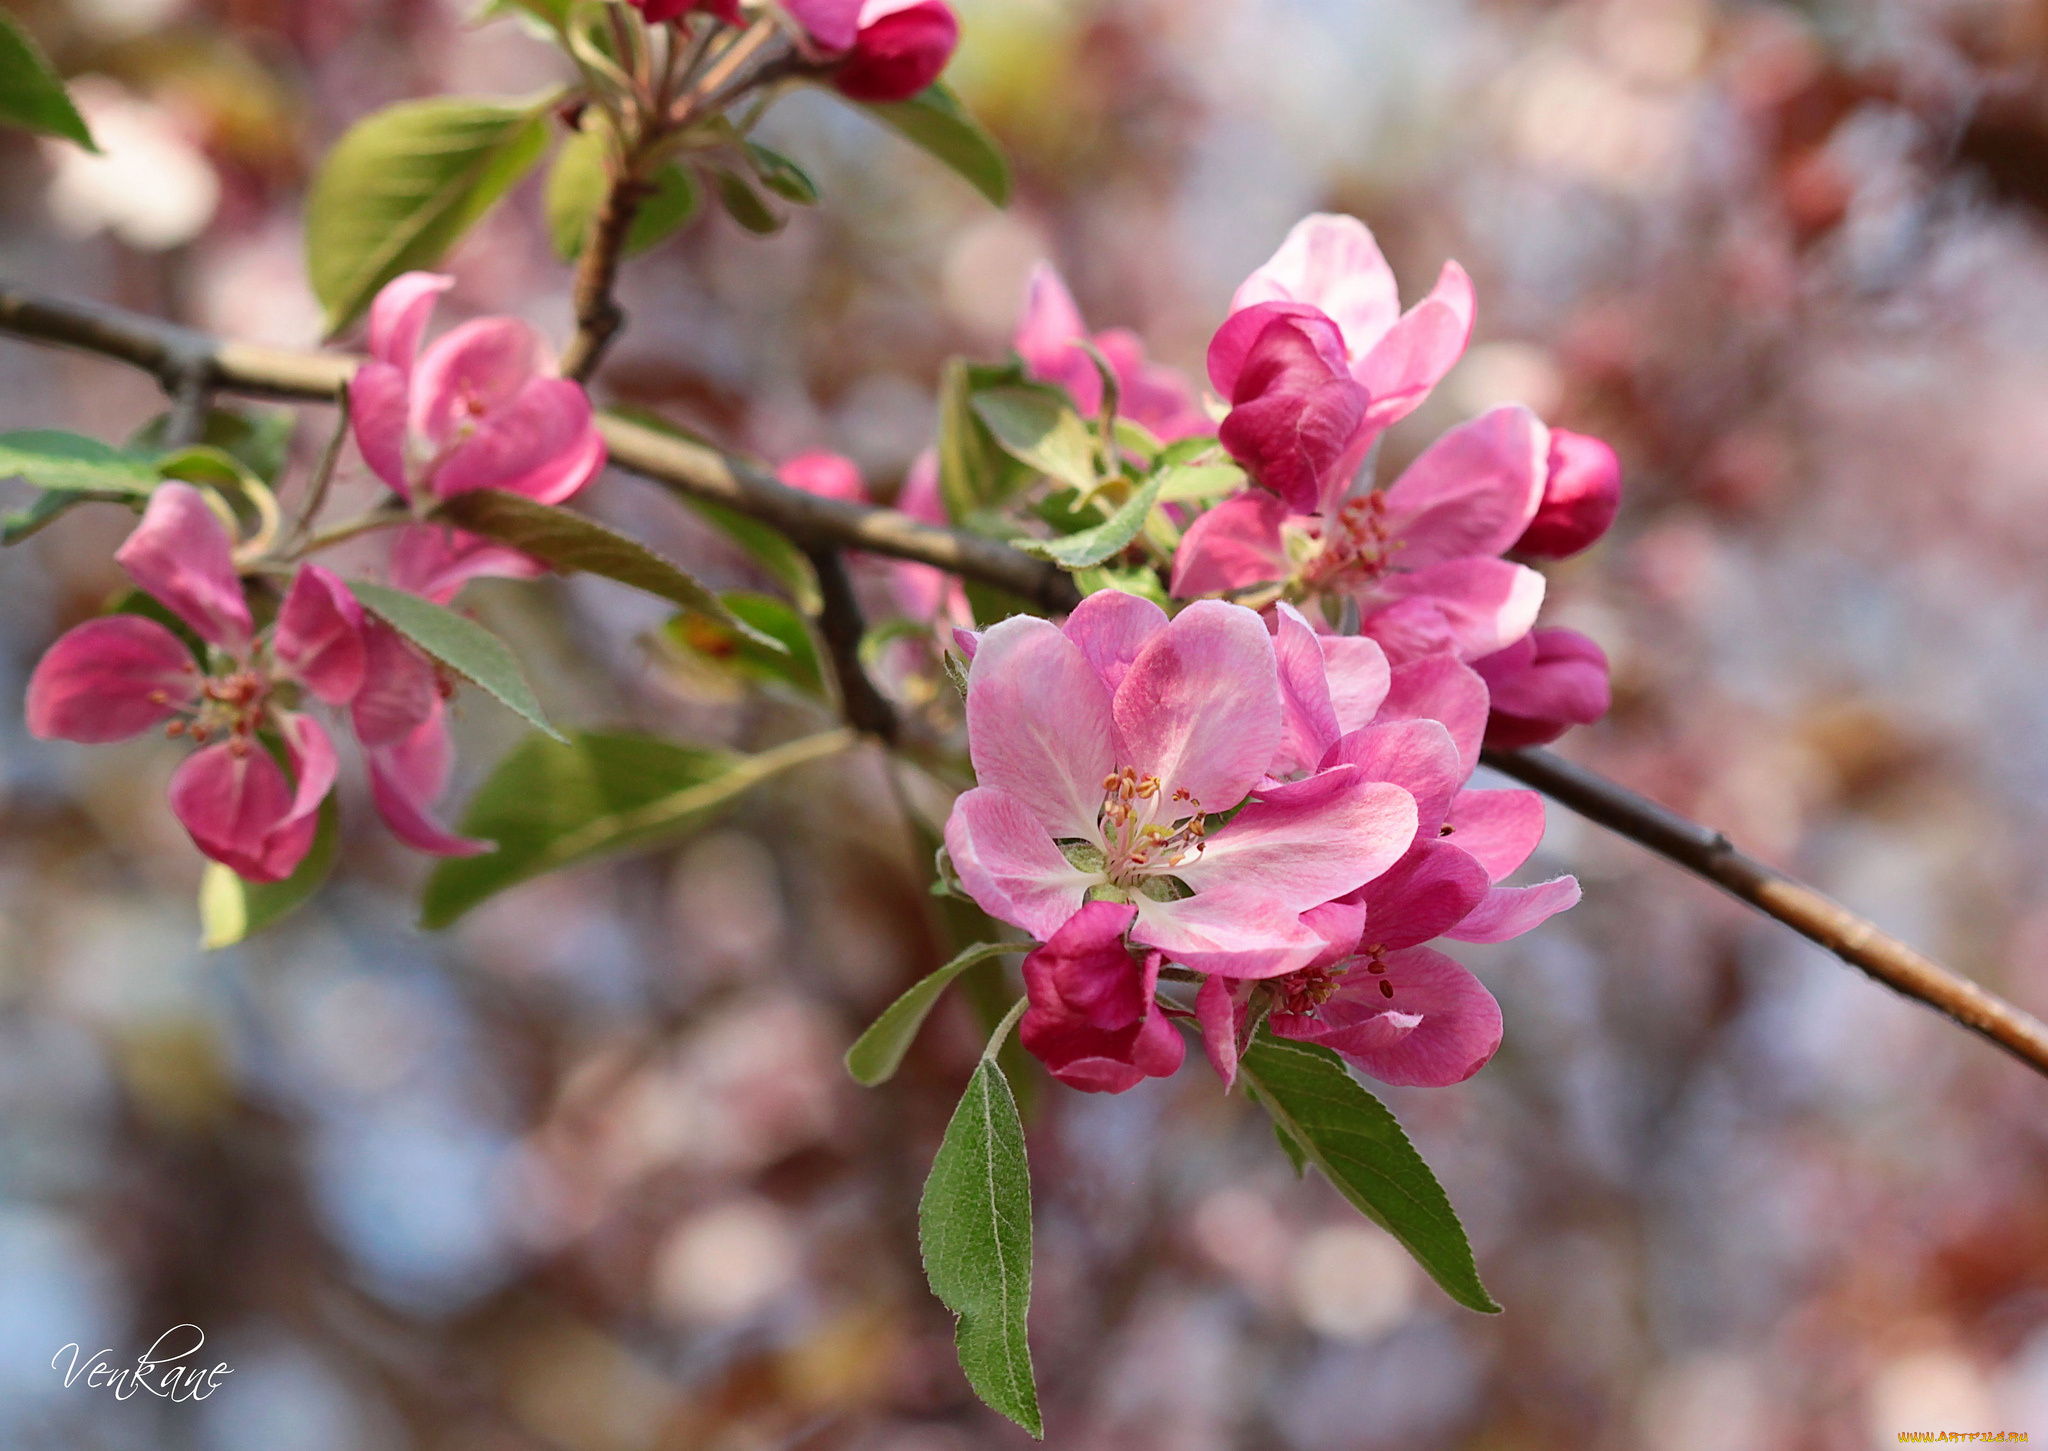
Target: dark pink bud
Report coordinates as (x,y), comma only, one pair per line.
(1580,497)
(1092,1020)
(826,474)
(1542,685)
(898,53)
(1296,423)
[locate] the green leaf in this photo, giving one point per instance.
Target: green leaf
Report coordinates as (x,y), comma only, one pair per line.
(1193,483)
(770,548)
(1142,581)
(570,542)
(1293,1151)
(781,175)
(31,96)
(744,205)
(1348,1134)
(1092,546)
(51,459)
(974,1224)
(1036,425)
(935,120)
(261,441)
(549,804)
(231,909)
(716,645)
(400,189)
(876,1054)
(553,15)
(580,179)
(975,474)
(460,643)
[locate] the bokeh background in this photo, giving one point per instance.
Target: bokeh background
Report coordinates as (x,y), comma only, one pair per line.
(584,1172)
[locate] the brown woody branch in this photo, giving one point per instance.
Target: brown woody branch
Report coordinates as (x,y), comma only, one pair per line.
(839,621)
(177,355)
(598,314)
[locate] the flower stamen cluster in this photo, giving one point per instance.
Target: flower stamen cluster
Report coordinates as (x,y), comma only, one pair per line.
(1138,845)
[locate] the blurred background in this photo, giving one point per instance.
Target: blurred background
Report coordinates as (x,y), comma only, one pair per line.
(584,1172)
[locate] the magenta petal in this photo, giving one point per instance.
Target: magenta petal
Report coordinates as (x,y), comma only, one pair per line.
(1510,911)
(1481,605)
(1308,721)
(1420,756)
(1093,971)
(1295,423)
(1233,342)
(1092,1019)
(1304,843)
(1498,828)
(435,561)
(1415,353)
(1009,864)
(1110,628)
(1039,724)
(1440,688)
(1339,923)
(1425,894)
(471,373)
(313,761)
(899,51)
(405,776)
(1543,685)
(1216,1014)
(1200,706)
(183,554)
(824,473)
(398,317)
(319,636)
(109,679)
(378,404)
(541,444)
(921,498)
(1151,394)
(1332,263)
(1581,496)
(399,691)
(237,805)
(1236,544)
(1439,1027)
(1473,491)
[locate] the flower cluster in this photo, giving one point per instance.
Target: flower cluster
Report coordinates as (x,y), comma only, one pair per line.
(878,50)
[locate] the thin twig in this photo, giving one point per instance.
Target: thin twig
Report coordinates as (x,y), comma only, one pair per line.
(191,394)
(1708,853)
(839,621)
(598,314)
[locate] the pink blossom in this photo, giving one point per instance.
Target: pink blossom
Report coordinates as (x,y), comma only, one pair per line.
(117,676)
(901,48)
(1296,418)
(399,718)
(833,25)
(435,561)
(1102,748)
(480,408)
(1542,685)
(1093,1020)
(1049,338)
(1581,495)
(1420,559)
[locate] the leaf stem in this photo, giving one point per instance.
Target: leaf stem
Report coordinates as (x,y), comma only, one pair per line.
(323,472)
(995,1040)
(383,517)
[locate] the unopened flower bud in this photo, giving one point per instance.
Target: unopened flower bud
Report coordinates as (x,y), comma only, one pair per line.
(1580,497)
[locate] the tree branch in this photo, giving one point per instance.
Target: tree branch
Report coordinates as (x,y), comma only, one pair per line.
(696,470)
(1705,851)
(598,315)
(839,621)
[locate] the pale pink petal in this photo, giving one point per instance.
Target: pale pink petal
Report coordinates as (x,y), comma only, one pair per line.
(378,405)
(1473,491)
(182,553)
(1484,604)
(1200,707)
(1308,721)
(399,691)
(1419,755)
(1008,863)
(236,803)
(1333,263)
(471,372)
(1498,828)
(1338,923)
(313,762)
(824,473)
(435,561)
(1439,688)
(406,775)
(1358,673)
(1048,340)
(1217,1016)
(109,679)
(1236,934)
(541,444)
(833,24)
(1510,911)
(1307,842)
(1402,366)
(1440,1026)
(1425,894)
(1234,545)
(398,317)
(1039,724)
(1150,393)
(921,498)
(319,636)
(1581,495)
(1110,628)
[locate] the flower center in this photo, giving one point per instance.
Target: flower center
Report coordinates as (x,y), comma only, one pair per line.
(230,705)
(1145,835)
(1357,546)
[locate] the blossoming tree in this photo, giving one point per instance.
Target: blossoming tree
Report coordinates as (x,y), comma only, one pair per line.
(1202,694)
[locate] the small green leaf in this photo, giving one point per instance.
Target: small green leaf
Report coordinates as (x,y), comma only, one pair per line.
(935,120)
(570,542)
(460,643)
(744,205)
(781,175)
(1194,483)
(1141,581)
(1293,1151)
(1135,437)
(713,644)
(974,1224)
(231,909)
(261,441)
(1036,425)
(975,473)
(404,185)
(1348,1134)
(31,96)
(549,804)
(553,15)
(1092,546)
(51,459)
(580,179)
(878,1053)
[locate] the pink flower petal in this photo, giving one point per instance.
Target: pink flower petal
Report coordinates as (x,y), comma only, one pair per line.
(1439,1027)
(1425,894)
(1307,842)
(541,444)
(406,775)
(1200,706)
(1308,721)
(1439,688)
(1235,341)
(1217,1016)
(1480,605)
(898,51)
(1418,755)
(319,635)
(313,762)
(1008,863)
(237,805)
(1542,685)
(1333,263)
(399,691)
(1339,923)
(1415,353)
(1296,420)
(1039,725)
(824,473)
(109,679)
(1581,496)
(1236,934)
(435,561)
(183,554)
(833,24)
(1048,340)
(378,404)
(1151,394)
(1092,1019)
(1092,969)
(1473,491)
(1232,546)
(1110,628)
(1359,674)
(1510,911)
(398,317)
(1498,828)
(921,498)
(470,373)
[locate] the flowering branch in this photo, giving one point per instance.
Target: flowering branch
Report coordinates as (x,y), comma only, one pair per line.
(177,355)
(839,621)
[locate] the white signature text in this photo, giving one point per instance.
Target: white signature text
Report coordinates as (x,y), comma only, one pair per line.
(156,1370)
